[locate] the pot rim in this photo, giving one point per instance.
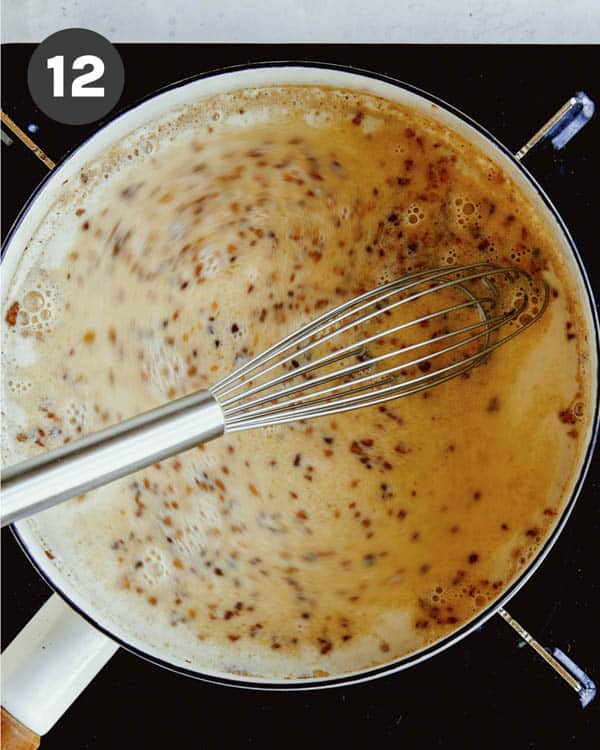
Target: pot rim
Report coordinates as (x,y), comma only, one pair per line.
(478,620)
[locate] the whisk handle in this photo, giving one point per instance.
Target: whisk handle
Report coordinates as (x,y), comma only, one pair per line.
(97,459)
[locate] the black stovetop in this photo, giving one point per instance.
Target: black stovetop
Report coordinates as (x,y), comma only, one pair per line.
(484,692)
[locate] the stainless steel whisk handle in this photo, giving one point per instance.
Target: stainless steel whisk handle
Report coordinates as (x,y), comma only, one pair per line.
(41,482)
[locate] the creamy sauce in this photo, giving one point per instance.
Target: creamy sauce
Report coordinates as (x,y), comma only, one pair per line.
(316,548)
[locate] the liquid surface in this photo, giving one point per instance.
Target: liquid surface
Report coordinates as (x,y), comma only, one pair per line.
(311,549)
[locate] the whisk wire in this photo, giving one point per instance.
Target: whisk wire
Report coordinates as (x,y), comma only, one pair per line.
(247,403)
(339,314)
(500,321)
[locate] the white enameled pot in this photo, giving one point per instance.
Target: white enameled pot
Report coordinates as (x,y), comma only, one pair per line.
(69,639)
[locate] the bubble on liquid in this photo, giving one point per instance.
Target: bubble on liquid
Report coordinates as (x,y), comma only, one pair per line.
(40,304)
(213,260)
(77,415)
(18,385)
(164,367)
(155,567)
(384,276)
(466,210)
(33,301)
(415,214)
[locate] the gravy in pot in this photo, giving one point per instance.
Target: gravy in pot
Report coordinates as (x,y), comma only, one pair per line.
(316,548)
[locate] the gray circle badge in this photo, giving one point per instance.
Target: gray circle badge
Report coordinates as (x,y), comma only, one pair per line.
(75,76)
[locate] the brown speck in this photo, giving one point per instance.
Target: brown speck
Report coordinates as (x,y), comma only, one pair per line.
(49,554)
(152,600)
(89,336)
(326,645)
(567,416)
(473,558)
(493,404)
(11,315)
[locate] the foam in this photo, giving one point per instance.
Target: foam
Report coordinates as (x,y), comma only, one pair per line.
(415,214)
(164,367)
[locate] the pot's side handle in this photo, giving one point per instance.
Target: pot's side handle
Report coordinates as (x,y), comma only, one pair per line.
(563,125)
(47,666)
(572,674)
(560,128)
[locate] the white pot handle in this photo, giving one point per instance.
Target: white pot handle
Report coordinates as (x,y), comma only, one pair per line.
(49,663)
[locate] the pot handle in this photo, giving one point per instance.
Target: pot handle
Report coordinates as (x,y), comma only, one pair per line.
(560,128)
(45,668)
(572,674)
(563,125)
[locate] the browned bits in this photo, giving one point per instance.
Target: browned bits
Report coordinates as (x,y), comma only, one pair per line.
(12,313)
(325,645)
(493,404)
(473,558)
(567,416)
(89,336)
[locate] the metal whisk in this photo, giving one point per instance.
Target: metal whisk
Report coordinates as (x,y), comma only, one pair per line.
(400,338)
